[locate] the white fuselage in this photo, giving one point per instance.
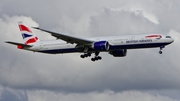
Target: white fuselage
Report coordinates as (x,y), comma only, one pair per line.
(116,43)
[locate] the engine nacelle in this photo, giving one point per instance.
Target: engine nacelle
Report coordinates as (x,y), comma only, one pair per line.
(101,46)
(119,53)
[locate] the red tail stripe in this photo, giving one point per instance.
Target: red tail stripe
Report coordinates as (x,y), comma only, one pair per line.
(32,40)
(24,28)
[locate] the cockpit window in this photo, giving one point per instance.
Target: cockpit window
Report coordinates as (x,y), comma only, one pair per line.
(168,37)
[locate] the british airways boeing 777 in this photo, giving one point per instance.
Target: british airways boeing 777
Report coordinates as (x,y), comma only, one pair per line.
(114,45)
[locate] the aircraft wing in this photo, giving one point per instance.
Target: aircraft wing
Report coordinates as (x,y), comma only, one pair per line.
(15,43)
(67,38)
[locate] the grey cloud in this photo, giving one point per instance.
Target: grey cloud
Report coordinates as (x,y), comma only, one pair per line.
(111,22)
(140,70)
(38,67)
(7,94)
(95,96)
(174,93)
(70,73)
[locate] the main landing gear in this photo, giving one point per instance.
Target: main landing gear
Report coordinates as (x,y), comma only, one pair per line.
(85,55)
(160,51)
(95,58)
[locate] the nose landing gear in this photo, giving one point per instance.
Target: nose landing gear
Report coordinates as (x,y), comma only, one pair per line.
(160,51)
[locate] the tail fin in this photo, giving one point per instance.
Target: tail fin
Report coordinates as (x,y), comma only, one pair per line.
(28,36)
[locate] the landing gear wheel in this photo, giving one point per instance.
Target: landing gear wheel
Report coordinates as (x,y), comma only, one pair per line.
(82,56)
(160,52)
(85,55)
(92,59)
(96,57)
(99,58)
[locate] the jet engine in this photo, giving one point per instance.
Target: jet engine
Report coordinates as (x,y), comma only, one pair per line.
(101,46)
(119,53)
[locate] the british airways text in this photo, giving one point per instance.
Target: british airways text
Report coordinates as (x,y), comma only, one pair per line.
(139,41)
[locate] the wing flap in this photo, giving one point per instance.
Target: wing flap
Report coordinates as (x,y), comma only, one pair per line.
(68,39)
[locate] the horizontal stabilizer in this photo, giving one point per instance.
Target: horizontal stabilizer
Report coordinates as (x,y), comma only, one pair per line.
(15,43)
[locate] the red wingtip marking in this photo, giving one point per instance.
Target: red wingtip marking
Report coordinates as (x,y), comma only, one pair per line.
(24,28)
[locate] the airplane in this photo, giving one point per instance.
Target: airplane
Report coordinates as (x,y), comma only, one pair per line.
(116,46)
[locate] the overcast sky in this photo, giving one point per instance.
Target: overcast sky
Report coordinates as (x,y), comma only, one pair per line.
(143,75)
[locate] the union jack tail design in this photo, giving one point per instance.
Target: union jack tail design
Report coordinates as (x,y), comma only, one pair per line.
(28,36)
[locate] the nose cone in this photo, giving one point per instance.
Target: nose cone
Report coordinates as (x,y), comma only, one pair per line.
(171,40)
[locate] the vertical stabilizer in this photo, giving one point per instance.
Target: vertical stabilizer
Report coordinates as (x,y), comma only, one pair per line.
(28,36)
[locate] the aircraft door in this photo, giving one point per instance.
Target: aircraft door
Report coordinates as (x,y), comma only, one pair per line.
(41,45)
